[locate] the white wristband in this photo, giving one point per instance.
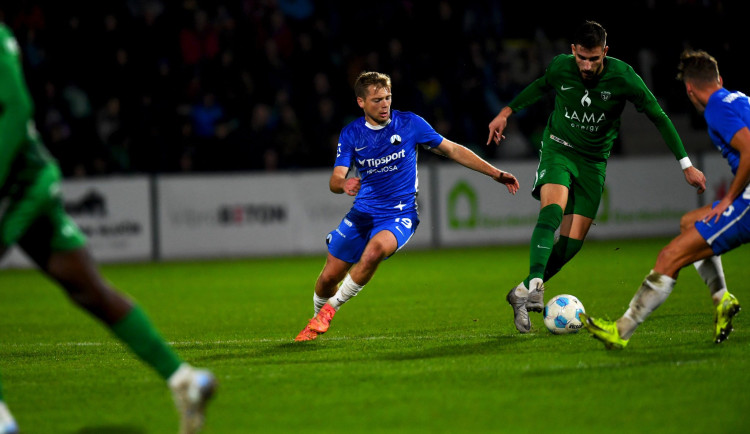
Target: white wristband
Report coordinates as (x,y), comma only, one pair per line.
(685,163)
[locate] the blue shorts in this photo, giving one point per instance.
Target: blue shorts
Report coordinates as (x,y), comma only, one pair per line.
(348,240)
(731,231)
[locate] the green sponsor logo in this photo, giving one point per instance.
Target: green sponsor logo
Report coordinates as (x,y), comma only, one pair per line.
(462,190)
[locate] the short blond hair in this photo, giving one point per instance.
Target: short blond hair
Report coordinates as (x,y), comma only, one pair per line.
(371,78)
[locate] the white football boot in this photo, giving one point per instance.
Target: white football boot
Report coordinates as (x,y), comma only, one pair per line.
(191,389)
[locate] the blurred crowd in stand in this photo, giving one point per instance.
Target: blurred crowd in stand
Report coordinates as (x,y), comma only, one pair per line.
(156,86)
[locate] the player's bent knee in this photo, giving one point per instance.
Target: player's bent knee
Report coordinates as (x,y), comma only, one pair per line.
(372,257)
(686,222)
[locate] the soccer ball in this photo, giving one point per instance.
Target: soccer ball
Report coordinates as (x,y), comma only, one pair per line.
(561,314)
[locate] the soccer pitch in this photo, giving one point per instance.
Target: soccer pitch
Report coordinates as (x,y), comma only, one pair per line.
(427,347)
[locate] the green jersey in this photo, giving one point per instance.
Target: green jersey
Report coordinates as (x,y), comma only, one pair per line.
(22,155)
(587,115)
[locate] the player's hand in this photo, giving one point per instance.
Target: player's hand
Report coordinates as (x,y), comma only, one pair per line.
(716,212)
(497,126)
(351,186)
(696,178)
(509,180)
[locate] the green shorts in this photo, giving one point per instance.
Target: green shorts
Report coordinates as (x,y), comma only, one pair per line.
(583,176)
(36,220)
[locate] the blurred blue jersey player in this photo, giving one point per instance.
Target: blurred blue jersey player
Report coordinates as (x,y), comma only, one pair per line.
(381,148)
(706,232)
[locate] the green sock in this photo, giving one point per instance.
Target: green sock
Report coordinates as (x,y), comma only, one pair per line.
(137,332)
(542,240)
(564,250)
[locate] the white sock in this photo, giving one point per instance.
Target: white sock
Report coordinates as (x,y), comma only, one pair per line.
(712,273)
(347,290)
(652,293)
(521,290)
(318,302)
(536,284)
(181,374)
(6,419)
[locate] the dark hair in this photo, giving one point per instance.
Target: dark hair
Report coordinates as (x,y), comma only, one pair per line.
(590,34)
(367,79)
(697,66)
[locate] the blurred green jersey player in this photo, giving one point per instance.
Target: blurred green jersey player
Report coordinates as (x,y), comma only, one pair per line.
(32,216)
(591,90)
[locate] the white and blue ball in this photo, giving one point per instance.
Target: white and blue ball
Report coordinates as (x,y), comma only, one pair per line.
(561,314)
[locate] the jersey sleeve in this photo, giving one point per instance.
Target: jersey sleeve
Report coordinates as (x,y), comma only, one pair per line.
(645,102)
(344,149)
(536,90)
(424,133)
(15,103)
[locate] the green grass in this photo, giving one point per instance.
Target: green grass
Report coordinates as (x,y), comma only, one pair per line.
(427,347)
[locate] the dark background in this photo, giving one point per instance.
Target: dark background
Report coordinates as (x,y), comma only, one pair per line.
(155,86)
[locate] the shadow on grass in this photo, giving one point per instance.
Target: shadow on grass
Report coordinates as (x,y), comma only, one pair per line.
(370,348)
(111,429)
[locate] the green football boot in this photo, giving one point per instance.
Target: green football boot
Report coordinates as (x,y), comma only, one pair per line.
(727,308)
(604,330)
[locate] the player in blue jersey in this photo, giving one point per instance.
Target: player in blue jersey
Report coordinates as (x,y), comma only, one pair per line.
(381,147)
(706,232)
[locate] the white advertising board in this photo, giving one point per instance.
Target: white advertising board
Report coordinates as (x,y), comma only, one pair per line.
(115,215)
(473,209)
(643,197)
(255,214)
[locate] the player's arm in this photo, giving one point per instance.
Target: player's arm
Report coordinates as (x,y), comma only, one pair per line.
(465,157)
(15,105)
(528,96)
(339,183)
(645,101)
(740,142)
(531,94)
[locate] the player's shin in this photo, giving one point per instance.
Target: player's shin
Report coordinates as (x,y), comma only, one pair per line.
(652,293)
(563,251)
(712,273)
(542,240)
(137,332)
(347,290)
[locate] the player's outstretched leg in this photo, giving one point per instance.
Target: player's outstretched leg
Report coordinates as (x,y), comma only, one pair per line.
(727,308)
(192,388)
(604,330)
(7,423)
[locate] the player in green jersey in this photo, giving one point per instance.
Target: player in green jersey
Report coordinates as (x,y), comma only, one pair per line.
(591,90)
(32,216)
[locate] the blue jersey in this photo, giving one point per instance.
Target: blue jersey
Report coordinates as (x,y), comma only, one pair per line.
(386,159)
(726,113)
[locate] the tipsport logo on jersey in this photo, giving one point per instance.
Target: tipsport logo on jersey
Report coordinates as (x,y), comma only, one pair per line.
(373,165)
